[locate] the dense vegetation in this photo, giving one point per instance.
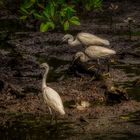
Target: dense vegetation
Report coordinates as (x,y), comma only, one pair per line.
(50,14)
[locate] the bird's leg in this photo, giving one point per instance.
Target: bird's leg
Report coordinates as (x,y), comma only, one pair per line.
(55,119)
(108,66)
(51,119)
(98,61)
(91,67)
(96,72)
(92,78)
(98,66)
(81,78)
(50,110)
(108,69)
(56,123)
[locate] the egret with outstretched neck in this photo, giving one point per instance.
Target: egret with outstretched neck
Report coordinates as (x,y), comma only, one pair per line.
(85,39)
(51,97)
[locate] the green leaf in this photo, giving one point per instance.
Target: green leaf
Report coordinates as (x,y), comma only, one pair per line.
(36,15)
(32,12)
(23,17)
(46,14)
(62,13)
(51,24)
(40,5)
(69,8)
(33,1)
(52,10)
(27,5)
(24,11)
(66,25)
(88,7)
(75,20)
(43,27)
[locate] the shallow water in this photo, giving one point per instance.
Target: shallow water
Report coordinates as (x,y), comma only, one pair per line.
(30,127)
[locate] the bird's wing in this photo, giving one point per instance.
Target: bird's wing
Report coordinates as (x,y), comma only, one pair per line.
(104,50)
(90,39)
(53,99)
(98,51)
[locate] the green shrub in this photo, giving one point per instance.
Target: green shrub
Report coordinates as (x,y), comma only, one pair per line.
(53,13)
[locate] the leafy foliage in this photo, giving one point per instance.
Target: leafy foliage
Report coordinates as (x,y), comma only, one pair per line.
(53,13)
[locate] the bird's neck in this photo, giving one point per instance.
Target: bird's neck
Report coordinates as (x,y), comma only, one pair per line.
(84,58)
(44,78)
(73,42)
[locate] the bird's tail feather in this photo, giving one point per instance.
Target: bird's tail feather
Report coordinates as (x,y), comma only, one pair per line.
(106,42)
(62,112)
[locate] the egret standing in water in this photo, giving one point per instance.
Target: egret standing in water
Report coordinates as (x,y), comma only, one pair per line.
(51,97)
(85,39)
(94,52)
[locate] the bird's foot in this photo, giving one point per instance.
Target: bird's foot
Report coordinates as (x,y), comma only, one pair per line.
(51,120)
(81,79)
(92,78)
(107,74)
(113,60)
(93,66)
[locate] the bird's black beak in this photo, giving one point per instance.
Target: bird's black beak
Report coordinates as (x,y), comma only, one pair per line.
(73,60)
(60,43)
(40,66)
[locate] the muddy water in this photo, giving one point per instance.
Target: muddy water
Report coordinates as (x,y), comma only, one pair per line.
(30,127)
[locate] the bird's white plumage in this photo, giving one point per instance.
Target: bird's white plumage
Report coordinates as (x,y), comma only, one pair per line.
(90,39)
(53,100)
(51,97)
(86,39)
(94,52)
(83,57)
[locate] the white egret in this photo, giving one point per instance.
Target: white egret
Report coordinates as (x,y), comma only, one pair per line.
(85,39)
(94,52)
(51,97)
